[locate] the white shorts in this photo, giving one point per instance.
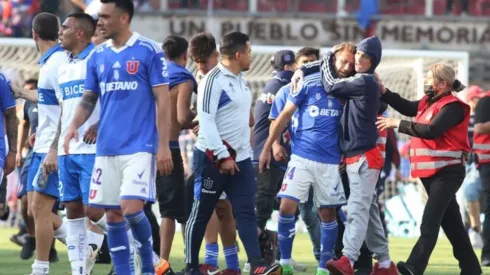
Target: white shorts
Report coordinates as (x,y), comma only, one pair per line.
(115,178)
(328,191)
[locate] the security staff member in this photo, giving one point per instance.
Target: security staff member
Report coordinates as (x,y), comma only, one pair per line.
(481,146)
(438,153)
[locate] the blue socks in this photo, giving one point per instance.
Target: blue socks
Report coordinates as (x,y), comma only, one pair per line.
(231,257)
(286,231)
(141,228)
(211,255)
(118,243)
(328,239)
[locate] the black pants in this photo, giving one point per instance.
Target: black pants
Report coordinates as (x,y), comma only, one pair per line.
(268,184)
(485,182)
(155,228)
(442,210)
(365,260)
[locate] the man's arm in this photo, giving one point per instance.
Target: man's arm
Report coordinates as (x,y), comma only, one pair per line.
(11,126)
(482,117)
(184,113)
(85,108)
(54,144)
(22,130)
(280,124)
(162,99)
(20,92)
(207,106)
(311,67)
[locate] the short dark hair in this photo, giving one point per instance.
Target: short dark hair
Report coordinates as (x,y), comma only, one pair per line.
(202,46)
(46,25)
(232,43)
(175,46)
(126,5)
(307,51)
(31,81)
(87,22)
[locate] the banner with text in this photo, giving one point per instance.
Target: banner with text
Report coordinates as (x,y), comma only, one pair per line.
(451,35)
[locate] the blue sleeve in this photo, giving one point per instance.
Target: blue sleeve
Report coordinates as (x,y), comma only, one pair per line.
(299,96)
(311,68)
(278,104)
(7,99)
(91,82)
(157,73)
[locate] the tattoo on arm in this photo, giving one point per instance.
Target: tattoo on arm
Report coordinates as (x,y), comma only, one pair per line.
(11,125)
(89,101)
(54,144)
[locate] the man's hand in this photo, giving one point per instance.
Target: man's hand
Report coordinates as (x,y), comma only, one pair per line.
(298,77)
(165,164)
(279,152)
(264,161)
(228,167)
(32,139)
(50,163)
(90,136)
(17,89)
(9,163)
(195,130)
(18,159)
(384,123)
(72,133)
(342,167)
(382,87)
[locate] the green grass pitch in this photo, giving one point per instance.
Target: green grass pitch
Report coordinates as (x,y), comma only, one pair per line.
(442,261)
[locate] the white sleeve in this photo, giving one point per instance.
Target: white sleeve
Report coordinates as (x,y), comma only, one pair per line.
(61,58)
(208,95)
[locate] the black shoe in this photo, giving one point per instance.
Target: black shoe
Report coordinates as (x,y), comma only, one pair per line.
(18,239)
(363,271)
(53,256)
(406,269)
(28,248)
(262,269)
(190,271)
(485,262)
(267,247)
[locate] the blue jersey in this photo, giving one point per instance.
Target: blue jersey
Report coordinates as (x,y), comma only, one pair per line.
(277,106)
(7,101)
(178,74)
(316,135)
(124,79)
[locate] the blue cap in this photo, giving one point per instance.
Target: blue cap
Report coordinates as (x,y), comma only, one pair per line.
(282,58)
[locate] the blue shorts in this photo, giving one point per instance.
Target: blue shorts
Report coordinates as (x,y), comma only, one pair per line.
(75,176)
(472,184)
(52,184)
(23,175)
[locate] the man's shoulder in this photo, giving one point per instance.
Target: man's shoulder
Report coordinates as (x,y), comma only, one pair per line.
(146,44)
(215,76)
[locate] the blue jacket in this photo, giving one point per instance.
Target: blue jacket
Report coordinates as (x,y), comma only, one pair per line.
(361,94)
(262,111)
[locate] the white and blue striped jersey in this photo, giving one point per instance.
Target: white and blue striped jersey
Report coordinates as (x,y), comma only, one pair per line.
(71,78)
(47,95)
(124,79)
(223,107)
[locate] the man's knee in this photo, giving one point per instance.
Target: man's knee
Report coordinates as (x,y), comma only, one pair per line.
(41,205)
(287,207)
(74,209)
(224,210)
(114,215)
(328,214)
(129,207)
(94,214)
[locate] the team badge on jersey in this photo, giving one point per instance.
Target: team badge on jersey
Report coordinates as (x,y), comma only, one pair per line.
(132,66)
(101,68)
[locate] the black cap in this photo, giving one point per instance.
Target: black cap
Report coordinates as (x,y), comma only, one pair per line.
(282,58)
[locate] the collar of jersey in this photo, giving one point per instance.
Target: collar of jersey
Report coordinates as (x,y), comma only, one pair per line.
(129,43)
(84,53)
(225,71)
(45,57)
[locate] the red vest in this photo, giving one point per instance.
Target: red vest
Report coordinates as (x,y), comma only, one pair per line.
(481,146)
(429,156)
(381,142)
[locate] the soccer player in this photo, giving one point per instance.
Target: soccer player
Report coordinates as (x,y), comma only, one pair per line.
(222,155)
(75,170)
(171,188)
(129,75)
(314,162)
(308,211)
(364,160)
(43,182)
(203,52)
